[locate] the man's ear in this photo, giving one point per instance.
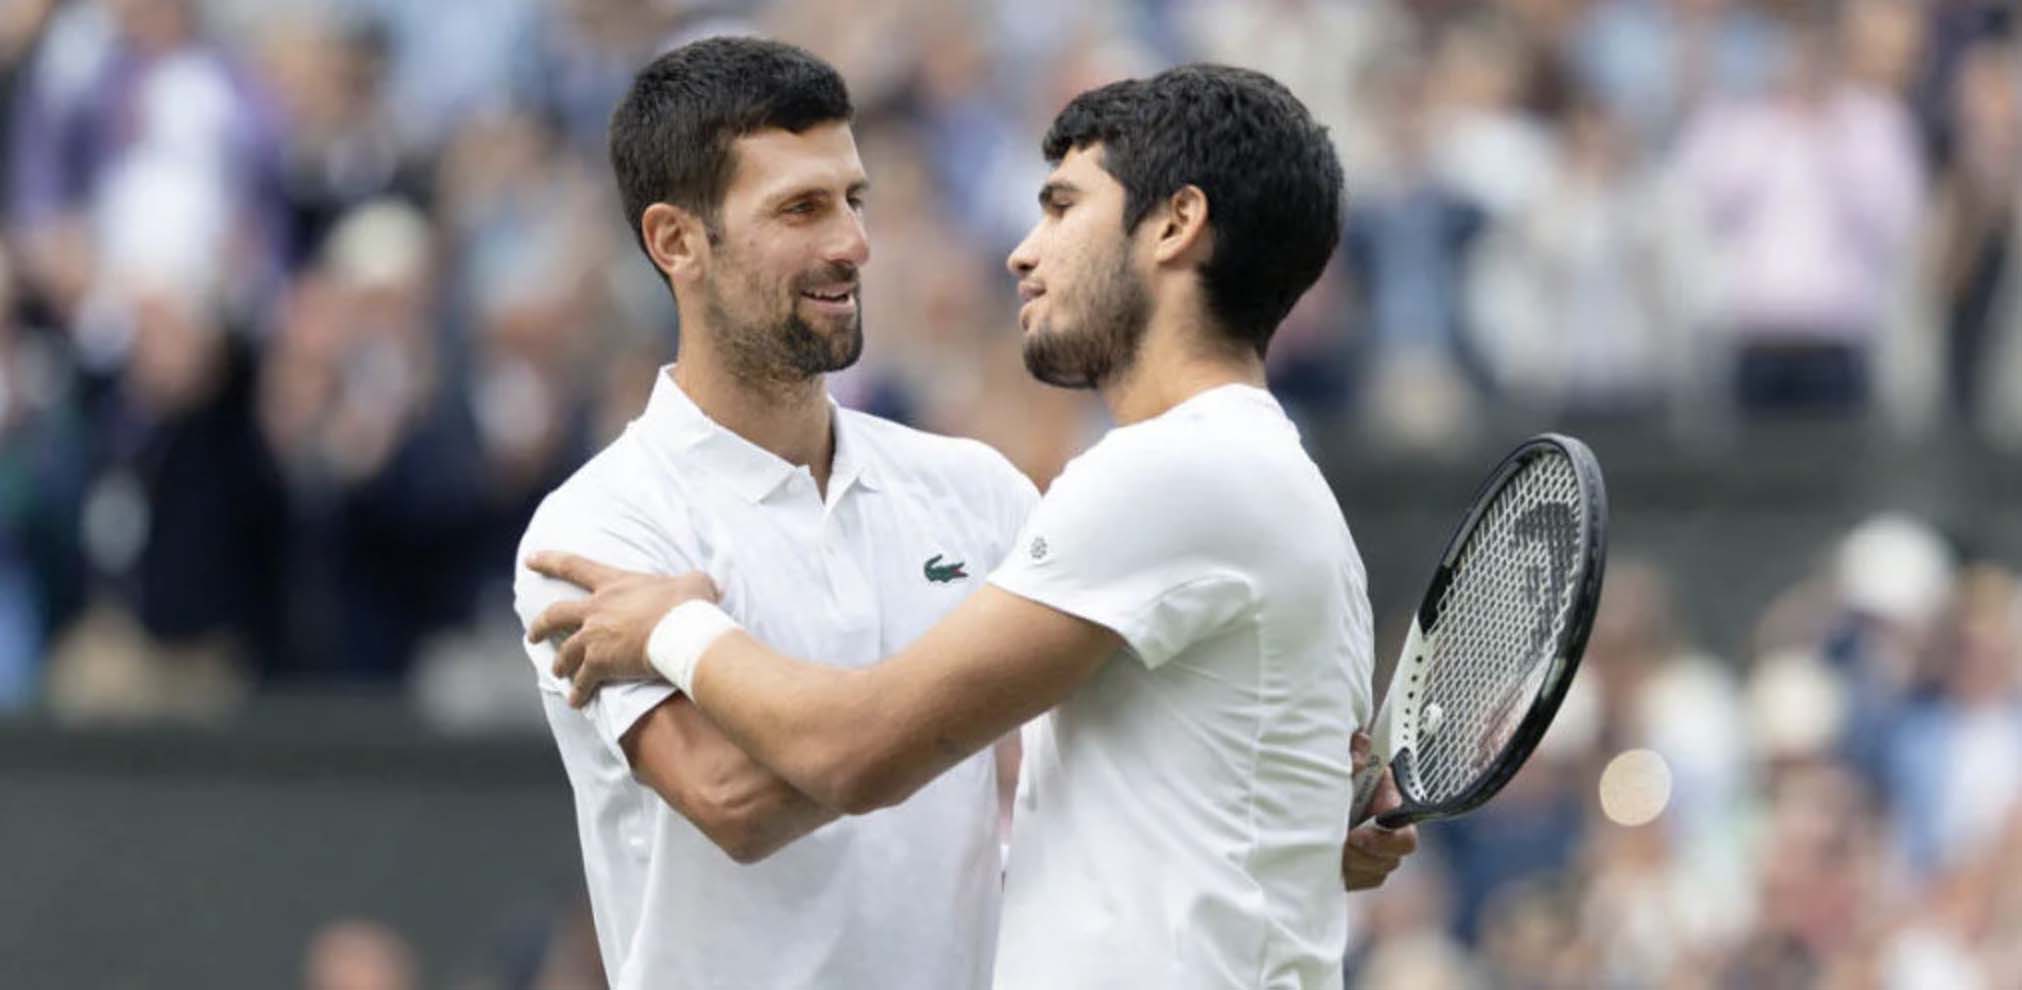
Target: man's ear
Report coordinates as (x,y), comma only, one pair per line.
(1183,234)
(677,241)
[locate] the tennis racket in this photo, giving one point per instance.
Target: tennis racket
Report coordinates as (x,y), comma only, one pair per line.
(1497,638)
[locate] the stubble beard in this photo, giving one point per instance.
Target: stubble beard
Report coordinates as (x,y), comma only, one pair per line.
(1106,344)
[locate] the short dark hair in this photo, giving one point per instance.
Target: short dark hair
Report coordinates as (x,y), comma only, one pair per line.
(1272,180)
(671,134)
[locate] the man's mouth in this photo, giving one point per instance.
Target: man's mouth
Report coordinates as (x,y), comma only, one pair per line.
(841,298)
(1025,311)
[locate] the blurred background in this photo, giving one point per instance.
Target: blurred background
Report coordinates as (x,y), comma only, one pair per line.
(304,304)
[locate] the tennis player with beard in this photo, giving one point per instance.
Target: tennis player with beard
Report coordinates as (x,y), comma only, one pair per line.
(1183,618)
(739,174)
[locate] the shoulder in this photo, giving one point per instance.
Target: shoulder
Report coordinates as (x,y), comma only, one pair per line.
(1233,474)
(911,456)
(592,498)
(1169,450)
(608,511)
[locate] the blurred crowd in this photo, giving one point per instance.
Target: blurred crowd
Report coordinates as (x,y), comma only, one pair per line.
(304,304)
(1838,810)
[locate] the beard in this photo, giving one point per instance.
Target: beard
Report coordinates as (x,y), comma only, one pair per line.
(787,349)
(1114,313)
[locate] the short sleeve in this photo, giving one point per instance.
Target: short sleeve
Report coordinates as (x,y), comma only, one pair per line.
(1133,537)
(618,706)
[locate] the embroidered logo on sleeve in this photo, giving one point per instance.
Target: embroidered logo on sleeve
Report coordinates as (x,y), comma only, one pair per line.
(940,573)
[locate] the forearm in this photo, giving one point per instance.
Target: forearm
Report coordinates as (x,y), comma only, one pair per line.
(736,801)
(823,729)
(860,739)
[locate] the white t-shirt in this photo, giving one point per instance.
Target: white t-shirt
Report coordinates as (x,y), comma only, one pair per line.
(903,898)
(1180,816)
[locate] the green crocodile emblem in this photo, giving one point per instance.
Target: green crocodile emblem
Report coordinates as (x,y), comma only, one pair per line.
(940,573)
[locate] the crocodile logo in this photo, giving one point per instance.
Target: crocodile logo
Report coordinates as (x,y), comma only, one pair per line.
(940,573)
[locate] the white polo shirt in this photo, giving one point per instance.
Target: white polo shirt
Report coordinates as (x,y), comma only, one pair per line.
(906,897)
(1180,816)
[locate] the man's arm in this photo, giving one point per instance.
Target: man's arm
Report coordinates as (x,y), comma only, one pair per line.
(854,740)
(736,802)
(744,808)
(861,739)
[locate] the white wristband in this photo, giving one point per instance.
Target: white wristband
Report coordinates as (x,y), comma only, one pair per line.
(681,637)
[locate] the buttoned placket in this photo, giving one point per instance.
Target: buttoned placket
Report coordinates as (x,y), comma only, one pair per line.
(849,598)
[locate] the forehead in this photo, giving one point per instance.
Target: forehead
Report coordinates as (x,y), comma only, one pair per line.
(776,162)
(1082,168)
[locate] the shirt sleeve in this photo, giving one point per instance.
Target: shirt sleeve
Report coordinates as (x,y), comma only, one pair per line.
(1134,537)
(616,707)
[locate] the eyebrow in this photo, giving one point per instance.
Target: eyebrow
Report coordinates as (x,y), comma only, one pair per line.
(857,188)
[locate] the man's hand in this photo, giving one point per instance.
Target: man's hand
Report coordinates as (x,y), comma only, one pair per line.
(607,631)
(1373,851)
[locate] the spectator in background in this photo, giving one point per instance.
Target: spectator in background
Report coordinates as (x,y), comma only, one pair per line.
(577,58)
(41,478)
(1654,62)
(1570,293)
(1822,895)
(1976,218)
(125,92)
(1808,196)
(359,955)
(21,30)
(341,148)
(182,517)
(361,405)
(1956,767)
(506,185)
(449,62)
(1407,253)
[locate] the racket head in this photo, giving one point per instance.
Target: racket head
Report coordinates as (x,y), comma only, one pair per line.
(1576,538)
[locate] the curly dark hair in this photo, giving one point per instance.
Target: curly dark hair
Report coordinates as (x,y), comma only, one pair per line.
(671,135)
(1268,169)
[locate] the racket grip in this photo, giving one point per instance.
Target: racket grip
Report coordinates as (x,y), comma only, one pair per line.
(1365,790)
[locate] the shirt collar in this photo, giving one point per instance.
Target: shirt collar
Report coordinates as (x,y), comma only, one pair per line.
(680,430)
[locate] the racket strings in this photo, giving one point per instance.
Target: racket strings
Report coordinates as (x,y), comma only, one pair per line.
(1499,623)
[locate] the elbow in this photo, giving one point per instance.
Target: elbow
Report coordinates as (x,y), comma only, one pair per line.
(739,832)
(859,784)
(732,820)
(744,847)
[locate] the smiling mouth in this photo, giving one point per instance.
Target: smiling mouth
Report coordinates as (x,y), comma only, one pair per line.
(836,298)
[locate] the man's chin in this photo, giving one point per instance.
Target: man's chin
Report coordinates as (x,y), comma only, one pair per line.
(1052,368)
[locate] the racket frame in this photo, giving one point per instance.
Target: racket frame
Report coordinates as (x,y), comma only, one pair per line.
(1397,724)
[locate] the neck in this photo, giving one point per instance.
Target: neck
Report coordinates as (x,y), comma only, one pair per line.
(790,420)
(1175,364)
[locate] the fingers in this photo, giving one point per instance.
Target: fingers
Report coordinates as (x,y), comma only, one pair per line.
(1378,843)
(1372,852)
(580,571)
(584,686)
(569,658)
(1386,796)
(1361,747)
(559,619)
